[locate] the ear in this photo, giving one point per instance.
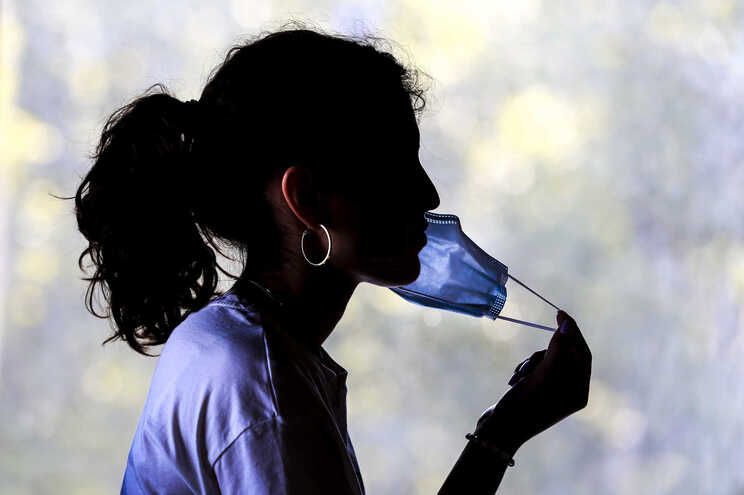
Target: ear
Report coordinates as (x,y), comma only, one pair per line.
(298,192)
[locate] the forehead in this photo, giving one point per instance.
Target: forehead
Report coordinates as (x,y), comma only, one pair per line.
(398,109)
(383,140)
(395,122)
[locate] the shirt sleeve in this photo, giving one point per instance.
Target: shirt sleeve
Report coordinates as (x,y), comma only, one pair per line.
(282,456)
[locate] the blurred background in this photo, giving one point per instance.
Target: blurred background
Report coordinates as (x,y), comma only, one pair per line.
(595,148)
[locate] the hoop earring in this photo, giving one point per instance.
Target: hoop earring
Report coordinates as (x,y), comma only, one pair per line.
(302,246)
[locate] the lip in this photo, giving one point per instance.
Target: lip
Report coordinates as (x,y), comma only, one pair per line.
(417,233)
(423,239)
(418,241)
(419,225)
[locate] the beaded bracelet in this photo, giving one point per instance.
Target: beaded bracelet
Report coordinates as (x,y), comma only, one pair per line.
(500,453)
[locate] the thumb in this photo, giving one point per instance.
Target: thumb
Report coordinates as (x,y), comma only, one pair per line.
(566,324)
(566,330)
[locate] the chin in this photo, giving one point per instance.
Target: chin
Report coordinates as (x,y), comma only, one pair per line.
(393,271)
(405,270)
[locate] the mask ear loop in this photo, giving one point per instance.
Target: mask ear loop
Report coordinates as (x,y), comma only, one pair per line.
(538,295)
(534,325)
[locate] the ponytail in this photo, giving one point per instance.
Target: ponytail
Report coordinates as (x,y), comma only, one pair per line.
(135,208)
(170,177)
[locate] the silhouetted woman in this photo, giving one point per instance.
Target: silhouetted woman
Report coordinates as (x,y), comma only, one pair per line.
(302,155)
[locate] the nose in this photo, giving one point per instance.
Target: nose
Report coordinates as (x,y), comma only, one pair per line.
(429,192)
(435,199)
(420,193)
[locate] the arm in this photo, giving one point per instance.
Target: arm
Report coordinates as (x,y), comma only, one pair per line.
(477,471)
(279,456)
(551,385)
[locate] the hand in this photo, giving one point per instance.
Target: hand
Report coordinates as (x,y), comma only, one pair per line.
(547,387)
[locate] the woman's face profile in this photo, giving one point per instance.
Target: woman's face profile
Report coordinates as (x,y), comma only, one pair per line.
(379,222)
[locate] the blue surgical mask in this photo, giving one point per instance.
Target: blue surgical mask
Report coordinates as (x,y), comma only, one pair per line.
(457,275)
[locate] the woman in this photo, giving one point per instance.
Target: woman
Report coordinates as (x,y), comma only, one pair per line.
(301,154)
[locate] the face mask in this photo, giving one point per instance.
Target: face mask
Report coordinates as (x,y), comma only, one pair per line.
(457,275)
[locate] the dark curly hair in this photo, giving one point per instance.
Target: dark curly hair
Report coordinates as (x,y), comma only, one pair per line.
(169,178)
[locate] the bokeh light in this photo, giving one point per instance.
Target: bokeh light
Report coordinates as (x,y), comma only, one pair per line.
(594,148)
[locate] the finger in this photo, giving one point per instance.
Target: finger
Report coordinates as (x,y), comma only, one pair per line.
(571,328)
(538,355)
(519,366)
(519,371)
(564,337)
(515,378)
(527,366)
(566,323)
(560,316)
(535,358)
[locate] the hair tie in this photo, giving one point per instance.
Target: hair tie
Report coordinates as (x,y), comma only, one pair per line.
(191,122)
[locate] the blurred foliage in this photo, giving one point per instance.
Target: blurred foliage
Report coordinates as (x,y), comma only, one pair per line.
(593,147)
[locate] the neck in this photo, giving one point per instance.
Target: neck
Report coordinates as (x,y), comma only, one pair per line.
(314,298)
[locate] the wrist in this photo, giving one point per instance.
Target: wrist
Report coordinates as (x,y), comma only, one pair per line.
(499,430)
(499,453)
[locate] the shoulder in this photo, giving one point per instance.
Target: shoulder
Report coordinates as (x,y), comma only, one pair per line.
(212,379)
(220,341)
(218,331)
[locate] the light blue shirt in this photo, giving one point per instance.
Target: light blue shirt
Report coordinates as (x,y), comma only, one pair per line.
(236,406)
